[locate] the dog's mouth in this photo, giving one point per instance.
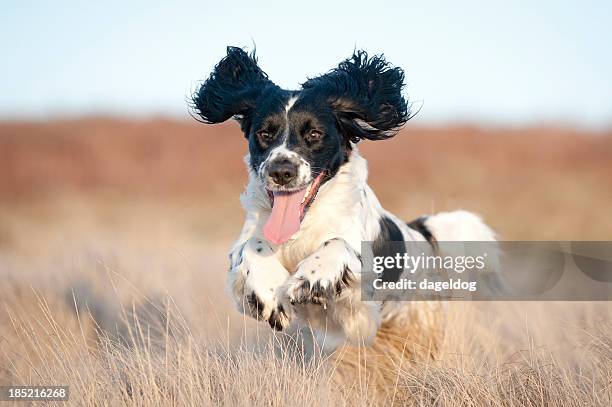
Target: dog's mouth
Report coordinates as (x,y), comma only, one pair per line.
(288,210)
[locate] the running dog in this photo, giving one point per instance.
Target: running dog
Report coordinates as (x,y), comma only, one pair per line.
(308,206)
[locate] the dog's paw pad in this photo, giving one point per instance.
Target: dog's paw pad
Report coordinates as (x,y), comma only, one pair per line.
(310,288)
(269,311)
(302,291)
(319,294)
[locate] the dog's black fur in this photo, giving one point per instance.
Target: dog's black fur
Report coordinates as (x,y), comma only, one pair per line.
(360,99)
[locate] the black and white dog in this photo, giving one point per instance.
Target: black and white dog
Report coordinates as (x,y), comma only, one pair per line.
(297,261)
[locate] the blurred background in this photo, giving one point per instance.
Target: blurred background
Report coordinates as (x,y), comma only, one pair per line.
(108,188)
(515,106)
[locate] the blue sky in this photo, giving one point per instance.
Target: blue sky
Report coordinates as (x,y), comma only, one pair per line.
(470,61)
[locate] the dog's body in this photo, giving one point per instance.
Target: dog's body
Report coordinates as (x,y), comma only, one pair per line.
(297,262)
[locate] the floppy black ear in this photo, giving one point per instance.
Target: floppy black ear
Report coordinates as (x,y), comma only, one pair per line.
(232,89)
(366,96)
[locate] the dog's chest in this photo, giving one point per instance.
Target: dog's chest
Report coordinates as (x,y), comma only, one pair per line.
(293,252)
(346,224)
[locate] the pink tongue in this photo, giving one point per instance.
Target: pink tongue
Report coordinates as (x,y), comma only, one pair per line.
(285,218)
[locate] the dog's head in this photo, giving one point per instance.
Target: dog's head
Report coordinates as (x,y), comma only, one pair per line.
(299,139)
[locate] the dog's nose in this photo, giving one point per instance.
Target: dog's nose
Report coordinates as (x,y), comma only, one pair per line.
(283,172)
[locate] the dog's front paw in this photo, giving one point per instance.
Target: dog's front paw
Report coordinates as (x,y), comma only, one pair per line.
(267,310)
(324,275)
(255,280)
(303,290)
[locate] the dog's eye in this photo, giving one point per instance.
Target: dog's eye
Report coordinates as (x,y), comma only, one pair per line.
(264,136)
(314,135)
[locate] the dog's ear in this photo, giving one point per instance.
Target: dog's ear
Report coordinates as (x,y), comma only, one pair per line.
(366,96)
(232,89)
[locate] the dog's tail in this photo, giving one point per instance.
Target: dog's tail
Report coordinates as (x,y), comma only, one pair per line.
(454,226)
(457,226)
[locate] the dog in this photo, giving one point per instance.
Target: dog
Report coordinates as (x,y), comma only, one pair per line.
(297,262)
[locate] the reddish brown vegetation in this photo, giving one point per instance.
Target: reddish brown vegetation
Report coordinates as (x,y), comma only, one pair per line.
(514,177)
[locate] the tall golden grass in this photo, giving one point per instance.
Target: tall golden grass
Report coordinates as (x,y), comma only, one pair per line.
(113,237)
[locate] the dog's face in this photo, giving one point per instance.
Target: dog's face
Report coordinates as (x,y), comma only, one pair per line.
(294,142)
(299,139)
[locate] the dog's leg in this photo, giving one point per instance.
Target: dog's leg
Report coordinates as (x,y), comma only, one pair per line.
(329,279)
(255,279)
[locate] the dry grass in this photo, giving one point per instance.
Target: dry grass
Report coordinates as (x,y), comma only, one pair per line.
(112,272)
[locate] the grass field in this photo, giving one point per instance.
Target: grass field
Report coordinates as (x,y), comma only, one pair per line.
(113,240)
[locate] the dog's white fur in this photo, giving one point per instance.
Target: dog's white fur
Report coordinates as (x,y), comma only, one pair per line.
(344,213)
